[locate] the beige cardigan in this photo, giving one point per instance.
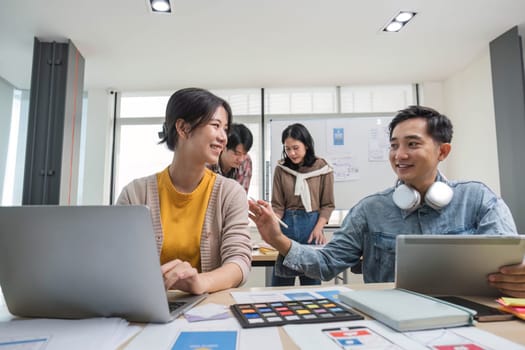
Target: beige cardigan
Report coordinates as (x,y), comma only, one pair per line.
(321,190)
(225,237)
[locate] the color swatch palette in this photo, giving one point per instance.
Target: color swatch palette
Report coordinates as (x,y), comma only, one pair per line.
(290,312)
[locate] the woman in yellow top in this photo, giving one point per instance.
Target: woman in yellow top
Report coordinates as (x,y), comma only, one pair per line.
(200,219)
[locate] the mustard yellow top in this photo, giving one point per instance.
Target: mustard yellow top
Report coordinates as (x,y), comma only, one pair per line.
(182,218)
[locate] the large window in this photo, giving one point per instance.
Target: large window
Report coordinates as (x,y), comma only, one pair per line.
(376,99)
(15,133)
(301,101)
(142,114)
(141,117)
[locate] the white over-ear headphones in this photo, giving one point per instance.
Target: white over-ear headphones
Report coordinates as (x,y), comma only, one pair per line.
(438,195)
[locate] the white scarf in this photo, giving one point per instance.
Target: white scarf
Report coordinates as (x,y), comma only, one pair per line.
(301,185)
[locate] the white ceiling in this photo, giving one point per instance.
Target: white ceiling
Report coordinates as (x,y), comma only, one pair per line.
(248,43)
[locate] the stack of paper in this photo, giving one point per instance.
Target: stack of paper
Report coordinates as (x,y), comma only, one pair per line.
(515,306)
(57,334)
(165,336)
(373,335)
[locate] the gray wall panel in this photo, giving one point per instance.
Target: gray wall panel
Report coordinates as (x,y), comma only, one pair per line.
(54,113)
(509,105)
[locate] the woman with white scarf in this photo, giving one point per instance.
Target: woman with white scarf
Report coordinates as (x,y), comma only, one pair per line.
(302,193)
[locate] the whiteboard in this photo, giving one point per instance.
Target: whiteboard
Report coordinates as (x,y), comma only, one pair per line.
(357,148)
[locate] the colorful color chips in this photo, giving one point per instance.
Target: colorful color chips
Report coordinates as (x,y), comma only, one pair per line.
(289,312)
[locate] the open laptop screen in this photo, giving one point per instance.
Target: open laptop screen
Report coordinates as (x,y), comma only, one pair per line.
(81,261)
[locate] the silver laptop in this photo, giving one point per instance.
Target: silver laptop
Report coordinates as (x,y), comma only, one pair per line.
(83,261)
(454,265)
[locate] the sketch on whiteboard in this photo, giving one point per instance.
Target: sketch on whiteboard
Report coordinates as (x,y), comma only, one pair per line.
(356,176)
(378,144)
(345,167)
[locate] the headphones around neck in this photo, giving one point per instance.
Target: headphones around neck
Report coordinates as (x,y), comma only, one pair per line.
(438,196)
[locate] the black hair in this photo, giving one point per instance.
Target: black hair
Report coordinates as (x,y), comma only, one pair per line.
(193,105)
(439,127)
(239,134)
(299,132)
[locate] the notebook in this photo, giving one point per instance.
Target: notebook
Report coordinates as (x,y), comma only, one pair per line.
(454,265)
(83,261)
(405,310)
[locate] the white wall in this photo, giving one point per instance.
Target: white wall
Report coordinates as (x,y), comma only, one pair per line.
(469,102)
(466,98)
(97,161)
(431,95)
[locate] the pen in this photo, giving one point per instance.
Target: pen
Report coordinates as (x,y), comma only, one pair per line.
(274,215)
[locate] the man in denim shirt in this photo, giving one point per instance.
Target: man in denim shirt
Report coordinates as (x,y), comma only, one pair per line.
(419,139)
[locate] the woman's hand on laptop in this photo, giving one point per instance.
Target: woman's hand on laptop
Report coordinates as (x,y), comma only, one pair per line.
(181,275)
(510,280)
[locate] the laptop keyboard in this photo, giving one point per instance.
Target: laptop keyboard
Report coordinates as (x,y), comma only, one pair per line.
(174,305)
(179,306)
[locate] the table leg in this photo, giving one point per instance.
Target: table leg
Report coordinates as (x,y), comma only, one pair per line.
(268,275)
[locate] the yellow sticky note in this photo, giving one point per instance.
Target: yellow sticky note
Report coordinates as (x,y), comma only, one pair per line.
(513,301)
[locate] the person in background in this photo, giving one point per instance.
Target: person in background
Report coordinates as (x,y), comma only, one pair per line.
(422,202)
(302,194)
(200,219)
(235,162)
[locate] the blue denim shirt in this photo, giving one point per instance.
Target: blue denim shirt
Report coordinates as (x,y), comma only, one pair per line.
(371,226)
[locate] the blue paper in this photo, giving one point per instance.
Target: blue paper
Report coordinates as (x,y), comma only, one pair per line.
(206,340)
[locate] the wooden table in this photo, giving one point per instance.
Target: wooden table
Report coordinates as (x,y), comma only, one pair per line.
(267,260)
(511,330)
(260,258)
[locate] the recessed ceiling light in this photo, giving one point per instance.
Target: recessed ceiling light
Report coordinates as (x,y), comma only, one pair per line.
(398,21)
(159,6)
(404,16)
(394,26)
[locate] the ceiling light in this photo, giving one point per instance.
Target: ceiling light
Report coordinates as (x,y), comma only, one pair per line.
(404,16)
(399,21)
(394,26)
(159,6)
